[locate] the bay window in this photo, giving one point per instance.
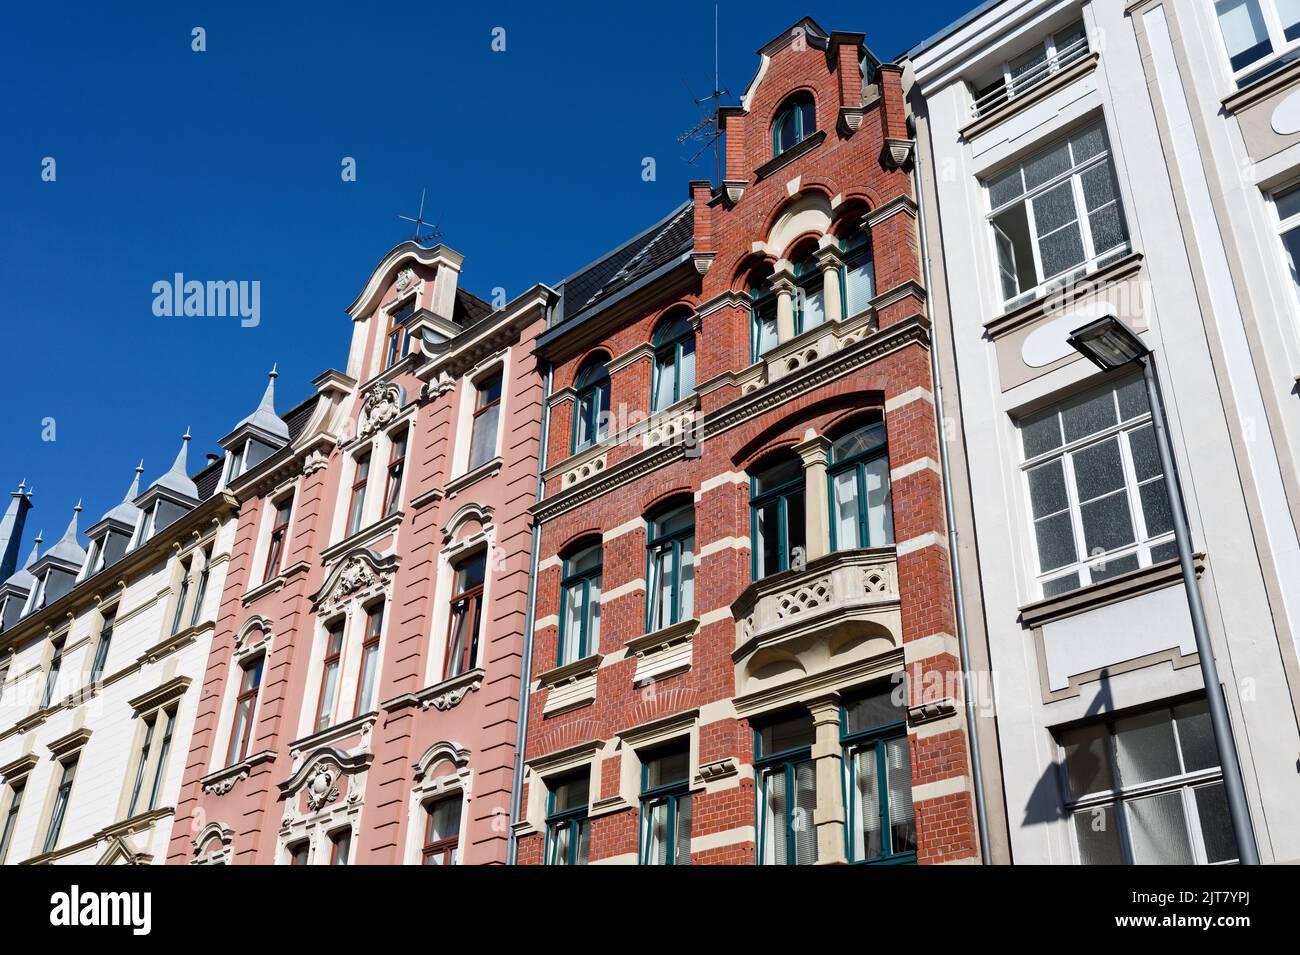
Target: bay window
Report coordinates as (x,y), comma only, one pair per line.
(776,515)
(1056,216)
(580,605)
(862,512)
(1147,789)
(674,375)
(1096,489)
(591,414)
(1260,36)
(787,791)
(666,806)
(487,413)
(671,553)
(568,833)
(878,777)
(466,614)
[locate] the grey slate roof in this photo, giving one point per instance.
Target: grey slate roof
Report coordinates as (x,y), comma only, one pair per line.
(127,512)
(640,255)
(67,550)
(470,309)
(22,578)
(265,419)
(177,480)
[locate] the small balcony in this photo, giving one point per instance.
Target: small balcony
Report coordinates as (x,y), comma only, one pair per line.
(838,611)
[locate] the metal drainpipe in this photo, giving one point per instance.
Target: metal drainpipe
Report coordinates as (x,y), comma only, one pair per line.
(526,678)
(963,642)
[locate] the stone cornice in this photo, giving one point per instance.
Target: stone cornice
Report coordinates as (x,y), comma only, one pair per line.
(224,780)
(173,689)
(441,696)
(795,152)
(1167,573)
(19,768)
(157,550)
(486,470)
(1262,88)
(69,744)
(1061,298)
(362,537)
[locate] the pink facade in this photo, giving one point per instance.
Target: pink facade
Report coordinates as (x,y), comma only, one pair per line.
(356,707)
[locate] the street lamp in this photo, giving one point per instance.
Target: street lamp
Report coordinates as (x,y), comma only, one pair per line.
(1109,344)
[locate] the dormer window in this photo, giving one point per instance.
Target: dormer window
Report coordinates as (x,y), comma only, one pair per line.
(796,120)
(236,462)
(397,344)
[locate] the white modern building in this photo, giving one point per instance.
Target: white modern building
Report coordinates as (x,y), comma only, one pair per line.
(1080,160)
(103,647)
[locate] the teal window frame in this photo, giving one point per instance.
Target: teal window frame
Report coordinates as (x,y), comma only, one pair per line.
(760,300)
(804,109)
(671,795)
(857,463)
(658,542)
(780,495)
(574,820)
(569,579)
(787,762)
(673,340)
(878,737)
(808,280)
(856,252)
(590,406)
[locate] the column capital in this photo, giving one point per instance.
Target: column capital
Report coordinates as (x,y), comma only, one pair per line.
(813,450)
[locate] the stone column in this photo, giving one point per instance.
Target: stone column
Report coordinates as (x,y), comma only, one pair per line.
(817,527)
(829,261)
(783,286)
(827,756)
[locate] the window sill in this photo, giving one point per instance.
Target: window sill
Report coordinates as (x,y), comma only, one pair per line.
(1167,573)
(224,780)
(1034,95)
(571,686)
(790,155)
(1052,300)
(274,584)
(571,671)
(481,472)
(357,726)
(1282,75)
(365,534)
(441,696)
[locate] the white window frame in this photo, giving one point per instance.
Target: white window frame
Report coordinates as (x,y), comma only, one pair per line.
(1283,225)
(1083,567)
(1074,175)
(1057,58)
(1117,799)
(1276,36)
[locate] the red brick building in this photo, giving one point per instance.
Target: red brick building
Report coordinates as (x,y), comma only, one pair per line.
(743,638)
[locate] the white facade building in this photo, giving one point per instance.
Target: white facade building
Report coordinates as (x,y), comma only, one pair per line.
(1087,159)
(102,656)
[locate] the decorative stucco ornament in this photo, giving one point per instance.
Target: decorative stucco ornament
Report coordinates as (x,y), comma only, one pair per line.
(320,786)
(404,279)
(383,403)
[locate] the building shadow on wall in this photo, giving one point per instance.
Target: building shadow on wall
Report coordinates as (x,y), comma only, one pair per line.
(1045,801)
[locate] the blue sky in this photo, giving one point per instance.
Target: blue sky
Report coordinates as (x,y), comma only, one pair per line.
(225,165)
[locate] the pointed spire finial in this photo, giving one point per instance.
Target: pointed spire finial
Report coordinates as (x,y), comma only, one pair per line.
(134,490)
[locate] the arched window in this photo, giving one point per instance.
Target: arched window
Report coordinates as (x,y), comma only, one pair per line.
(670,550)
(796,120)
(591,412)
(859,274)
(809,297)
(580,605)
(674,379)
(776,514)
(762,312)
(861,511)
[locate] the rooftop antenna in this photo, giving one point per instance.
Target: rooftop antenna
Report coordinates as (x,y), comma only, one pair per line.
(420,225)
(707,131)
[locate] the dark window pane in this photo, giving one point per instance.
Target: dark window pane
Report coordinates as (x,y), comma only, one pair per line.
(1144,748)
(1155,508)
(1132,399)
(1216,824)
(1055,537)
(1088,416)
(1106,569)
(1098,470)
(1061,585)
(1087,760)
(1040,434)
(1196,736)
(793,732)
(1047,489)
(1107,523)
(885,705)
(1097,832)
(1166,551)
